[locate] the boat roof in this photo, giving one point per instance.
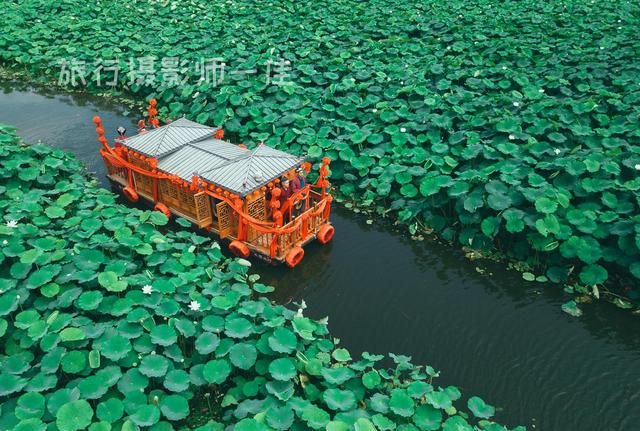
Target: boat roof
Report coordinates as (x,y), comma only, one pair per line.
(185,148)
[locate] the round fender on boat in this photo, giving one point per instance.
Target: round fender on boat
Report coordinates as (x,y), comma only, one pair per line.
(163,209)
(325,233)
(294,257)
(130,194)
(239,249)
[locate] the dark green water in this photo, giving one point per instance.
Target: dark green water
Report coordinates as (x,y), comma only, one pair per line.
(497,337)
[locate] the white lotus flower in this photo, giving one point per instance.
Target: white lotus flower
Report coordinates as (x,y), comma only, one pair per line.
(541,90)
(303,305)
(557,151)
(5,242)
(402,129)
(504,67)
(147,289)
(637,166)
(12,224)
(194,306)
(512,137)
(374,110)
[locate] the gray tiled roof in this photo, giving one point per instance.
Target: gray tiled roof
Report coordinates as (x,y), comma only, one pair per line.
(163,140)
(250,171)
(186,148)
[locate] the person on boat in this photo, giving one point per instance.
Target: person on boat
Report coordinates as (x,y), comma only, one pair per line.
(285,187)
(297,183)
(122,135)
(301,175)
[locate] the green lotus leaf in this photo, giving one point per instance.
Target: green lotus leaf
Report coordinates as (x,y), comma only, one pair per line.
(439,399)
(401,403)
(115,347)
(61,397)
(283,340)
(72,334)
(280,418)
(340,400)
(20,270)
(174,407)
(546,205)
(30,405)
(42,276)
(593,274)
(383,423)
(243,355)
(480,409)
(74,362)
(571,307)
(73,416)
(315,417)
(282,390)
(363,424)
(249,424)
(216,371)
(158,219)
(371,379)
(154,365)
(110,281)
(8,302)
(456,423)
(32,424)
(427,418)
(341,355)
(110,410)
(164,335)
(338,375)
(238,328)
(92,388)
(146,415)
(207,343)
(177,381)
(283,369)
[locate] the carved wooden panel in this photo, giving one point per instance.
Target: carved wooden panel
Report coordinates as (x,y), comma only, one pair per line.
(225,219)
(203,209)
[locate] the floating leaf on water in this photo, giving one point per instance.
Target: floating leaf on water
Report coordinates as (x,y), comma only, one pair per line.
(479,408)
(571,307)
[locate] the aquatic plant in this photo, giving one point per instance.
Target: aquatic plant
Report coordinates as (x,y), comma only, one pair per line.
(508,127)
(110,321)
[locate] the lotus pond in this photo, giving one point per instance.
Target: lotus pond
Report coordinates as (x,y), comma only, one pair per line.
(501,338)
(110,321)
(511,128)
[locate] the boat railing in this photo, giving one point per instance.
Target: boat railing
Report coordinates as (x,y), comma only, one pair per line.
(304,225)
(118,173)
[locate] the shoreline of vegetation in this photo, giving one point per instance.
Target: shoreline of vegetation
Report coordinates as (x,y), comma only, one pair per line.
(110,321)
(518,140)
